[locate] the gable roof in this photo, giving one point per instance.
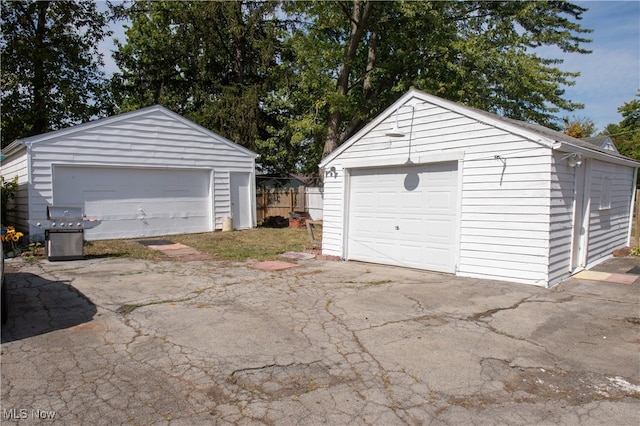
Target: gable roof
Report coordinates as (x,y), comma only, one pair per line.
(544,136)
(19,143)
(604,142)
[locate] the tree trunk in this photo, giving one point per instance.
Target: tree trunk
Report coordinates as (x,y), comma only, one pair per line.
(40,86)
(359,18)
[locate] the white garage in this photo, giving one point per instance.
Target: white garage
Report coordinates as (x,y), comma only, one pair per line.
(435,185)
(144,173)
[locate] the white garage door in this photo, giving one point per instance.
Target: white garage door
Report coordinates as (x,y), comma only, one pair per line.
(405,216)
(136,202)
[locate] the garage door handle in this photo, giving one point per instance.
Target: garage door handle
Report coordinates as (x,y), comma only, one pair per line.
(397,228)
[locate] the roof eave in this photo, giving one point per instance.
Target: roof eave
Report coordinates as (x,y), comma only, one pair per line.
(13,147)
(616,159)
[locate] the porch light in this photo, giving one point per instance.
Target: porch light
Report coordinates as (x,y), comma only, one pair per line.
(395,132)
(574,160)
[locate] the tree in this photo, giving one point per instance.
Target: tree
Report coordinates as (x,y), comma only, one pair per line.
(480,53)
(626,134)
(51,75)
(294,80)
(216,63)
(579,127)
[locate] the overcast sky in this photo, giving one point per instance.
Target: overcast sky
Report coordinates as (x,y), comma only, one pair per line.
(610,76)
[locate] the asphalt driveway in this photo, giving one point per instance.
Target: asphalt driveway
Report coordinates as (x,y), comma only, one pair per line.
(117,341)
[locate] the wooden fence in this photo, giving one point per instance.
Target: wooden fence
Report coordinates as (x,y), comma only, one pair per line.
(281,202)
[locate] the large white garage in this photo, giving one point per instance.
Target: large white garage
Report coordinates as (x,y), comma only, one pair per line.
(435,185)
(143,173)
(404,216)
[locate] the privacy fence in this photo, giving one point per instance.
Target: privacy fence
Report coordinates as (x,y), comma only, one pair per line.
(283,201)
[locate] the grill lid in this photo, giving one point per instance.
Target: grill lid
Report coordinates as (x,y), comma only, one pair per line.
(65,213)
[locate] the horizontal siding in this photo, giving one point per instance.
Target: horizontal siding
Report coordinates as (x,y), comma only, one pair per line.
(563,180)
(332,215)
(506,201)
(16,165)
(154,140)
(608,228)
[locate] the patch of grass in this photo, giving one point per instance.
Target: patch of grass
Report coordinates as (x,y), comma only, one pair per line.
(127,309)
(121,248)
(259,244)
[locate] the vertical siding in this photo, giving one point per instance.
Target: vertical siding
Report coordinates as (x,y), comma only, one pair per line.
(506,193)
(608,226)
(153,139)
(335,200)
(314,200)
(16,165)
(563,180)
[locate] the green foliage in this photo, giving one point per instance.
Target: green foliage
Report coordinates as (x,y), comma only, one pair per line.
(216,63)
(289,80)
(294,80)
(355,58)
(8,191)
(626,134)
(50,74)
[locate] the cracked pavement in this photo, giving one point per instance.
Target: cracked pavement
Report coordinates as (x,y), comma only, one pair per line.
(117,341)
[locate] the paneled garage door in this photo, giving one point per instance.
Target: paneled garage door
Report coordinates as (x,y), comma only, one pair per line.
(404,216)
(136,202)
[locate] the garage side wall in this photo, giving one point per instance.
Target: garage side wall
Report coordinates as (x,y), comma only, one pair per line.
(154,140)
(506,192)
(610,194)
(14,165)
(563,181)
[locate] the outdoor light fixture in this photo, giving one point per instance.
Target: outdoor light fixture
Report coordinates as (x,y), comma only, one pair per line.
(395,132)
(574,160)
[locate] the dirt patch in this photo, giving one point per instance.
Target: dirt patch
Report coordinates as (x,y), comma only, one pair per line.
(282,381)
(576,388)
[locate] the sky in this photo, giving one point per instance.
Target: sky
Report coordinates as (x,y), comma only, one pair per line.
(609,76)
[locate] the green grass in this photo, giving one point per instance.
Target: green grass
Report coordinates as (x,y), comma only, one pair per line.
(257,244)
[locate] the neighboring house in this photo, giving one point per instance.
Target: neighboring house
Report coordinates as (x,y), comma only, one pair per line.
(435,185)
(603,142)
(291,181)
(142,173)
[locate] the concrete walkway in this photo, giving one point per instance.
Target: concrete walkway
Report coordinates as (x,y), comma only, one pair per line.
(117,341)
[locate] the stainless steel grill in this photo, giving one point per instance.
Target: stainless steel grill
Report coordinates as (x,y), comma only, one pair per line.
(64,232)
(64,240)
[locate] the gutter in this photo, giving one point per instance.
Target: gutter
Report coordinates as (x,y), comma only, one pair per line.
(569,147)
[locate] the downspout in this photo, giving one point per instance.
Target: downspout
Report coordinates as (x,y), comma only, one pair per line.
(30,189)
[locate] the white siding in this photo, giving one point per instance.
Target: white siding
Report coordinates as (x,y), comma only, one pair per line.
(505,206)
(151,138)
(16,165)
(608,226)
(563,179)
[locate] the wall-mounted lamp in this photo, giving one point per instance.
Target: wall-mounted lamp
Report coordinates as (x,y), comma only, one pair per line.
(331,172)
(574,160)
(395,132)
